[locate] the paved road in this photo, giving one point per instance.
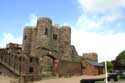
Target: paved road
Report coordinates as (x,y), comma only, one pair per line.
(119,81)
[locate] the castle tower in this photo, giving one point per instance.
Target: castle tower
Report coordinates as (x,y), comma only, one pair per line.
(44,34)
(65,42)
(27,40)
(55,38)
(33,43)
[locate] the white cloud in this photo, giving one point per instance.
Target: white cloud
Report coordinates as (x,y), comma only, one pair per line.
(8,37)
(87,23)
(101,5)
(107,46)
(95,22)
(32,20)
(94,29)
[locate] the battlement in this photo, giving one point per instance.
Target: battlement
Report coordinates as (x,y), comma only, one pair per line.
(46,35)
(91,56)
(13,45)
(46,51)
(43,20)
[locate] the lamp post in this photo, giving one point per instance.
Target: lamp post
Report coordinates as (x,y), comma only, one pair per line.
(106,74)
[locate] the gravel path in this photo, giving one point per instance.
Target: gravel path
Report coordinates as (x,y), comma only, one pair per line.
(74,79)
(5,79)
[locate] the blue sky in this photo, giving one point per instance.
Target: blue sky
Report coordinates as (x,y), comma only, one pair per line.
(15,13)
(97,25)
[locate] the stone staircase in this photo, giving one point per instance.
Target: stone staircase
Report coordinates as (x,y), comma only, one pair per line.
(10,68)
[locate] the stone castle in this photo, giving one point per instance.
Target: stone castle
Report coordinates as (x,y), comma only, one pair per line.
(46,51)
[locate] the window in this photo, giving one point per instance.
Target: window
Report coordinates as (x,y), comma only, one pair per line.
(37,60)
(25,37)
(62,51)
(15,57)
(1,57)
(23,58)
(31,59)
(46,31)
(54,36)
(0,73)
(66,42)
(19,58)
(31,69)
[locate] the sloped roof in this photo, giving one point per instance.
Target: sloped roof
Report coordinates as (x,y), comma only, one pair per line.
(94,63)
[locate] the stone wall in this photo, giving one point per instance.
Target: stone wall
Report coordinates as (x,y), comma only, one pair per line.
(46,51)
(90,56)
(19,64)
(69,68)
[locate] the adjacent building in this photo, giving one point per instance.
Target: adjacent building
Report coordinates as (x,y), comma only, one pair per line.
(91,65)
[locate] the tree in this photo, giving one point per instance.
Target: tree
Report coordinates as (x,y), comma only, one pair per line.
(109,66)
(120,61)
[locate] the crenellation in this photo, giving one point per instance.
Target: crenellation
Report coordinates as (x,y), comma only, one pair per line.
(90,56)
(43,21)
(46,51)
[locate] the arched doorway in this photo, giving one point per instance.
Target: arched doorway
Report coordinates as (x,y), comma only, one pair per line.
(49,65)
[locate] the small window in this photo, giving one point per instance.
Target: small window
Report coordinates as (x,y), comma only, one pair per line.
(1,57)
(25,37)
(23,59)
(62,51)
(31,69)
(0,73)
(15,57)
(31,59)
(46,31)
(66,42)
(37,60)
(54,36)
(19,58)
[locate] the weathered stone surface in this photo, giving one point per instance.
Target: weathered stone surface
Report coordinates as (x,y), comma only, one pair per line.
(90,56)
(44,46)
(46,51)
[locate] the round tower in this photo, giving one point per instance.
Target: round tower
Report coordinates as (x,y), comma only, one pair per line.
(43,20)
(65,42)
(27,39)
(44,34)
(65,35)
(33,43)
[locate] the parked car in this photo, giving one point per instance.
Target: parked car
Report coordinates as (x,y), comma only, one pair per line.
(120,73)
(113,76)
